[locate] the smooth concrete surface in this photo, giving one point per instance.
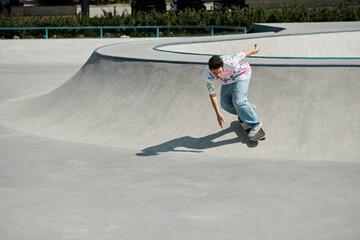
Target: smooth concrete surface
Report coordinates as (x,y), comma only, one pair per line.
(63,190)
(336,45)
(56,52)
(130,148)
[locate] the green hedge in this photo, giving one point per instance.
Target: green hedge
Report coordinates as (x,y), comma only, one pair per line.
(228,17)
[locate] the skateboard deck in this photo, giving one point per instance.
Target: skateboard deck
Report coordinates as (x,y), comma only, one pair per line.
(259,136)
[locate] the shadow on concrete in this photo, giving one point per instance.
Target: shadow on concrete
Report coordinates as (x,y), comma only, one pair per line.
(195,145)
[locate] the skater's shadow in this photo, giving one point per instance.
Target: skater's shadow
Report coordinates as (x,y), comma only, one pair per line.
(197,144)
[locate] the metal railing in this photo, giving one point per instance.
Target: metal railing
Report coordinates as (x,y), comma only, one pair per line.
(102,28)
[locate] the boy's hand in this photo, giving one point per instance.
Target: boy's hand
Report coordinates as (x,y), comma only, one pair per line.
(257,49)
(220,119)
(252,51)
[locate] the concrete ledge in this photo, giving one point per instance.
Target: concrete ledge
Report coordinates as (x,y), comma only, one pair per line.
(261,28)
(43,11)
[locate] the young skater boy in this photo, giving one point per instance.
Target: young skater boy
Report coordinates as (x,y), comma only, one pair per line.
(234,74)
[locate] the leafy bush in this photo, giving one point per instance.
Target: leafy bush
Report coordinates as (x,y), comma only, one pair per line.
(227,17)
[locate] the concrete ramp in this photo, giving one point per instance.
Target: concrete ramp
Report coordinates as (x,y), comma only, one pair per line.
(319,45)
(155,106)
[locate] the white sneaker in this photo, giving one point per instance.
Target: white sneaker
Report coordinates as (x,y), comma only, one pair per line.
(254,130)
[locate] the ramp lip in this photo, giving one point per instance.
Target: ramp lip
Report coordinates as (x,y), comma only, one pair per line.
(158,48)
(114,57)
(130,59)
(96,51)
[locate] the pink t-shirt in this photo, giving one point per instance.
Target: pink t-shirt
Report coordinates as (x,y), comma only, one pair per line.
(235,69)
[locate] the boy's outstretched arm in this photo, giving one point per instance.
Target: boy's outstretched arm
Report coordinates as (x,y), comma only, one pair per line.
(252,51)
(214,103)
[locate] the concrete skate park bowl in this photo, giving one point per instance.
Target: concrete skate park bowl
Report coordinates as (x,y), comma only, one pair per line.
(149,96)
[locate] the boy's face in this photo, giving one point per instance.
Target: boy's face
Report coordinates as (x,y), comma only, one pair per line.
(217,72)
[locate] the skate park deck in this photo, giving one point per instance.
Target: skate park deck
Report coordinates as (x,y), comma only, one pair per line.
(123,142)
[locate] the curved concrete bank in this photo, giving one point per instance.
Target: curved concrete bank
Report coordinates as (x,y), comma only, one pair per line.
(158,106)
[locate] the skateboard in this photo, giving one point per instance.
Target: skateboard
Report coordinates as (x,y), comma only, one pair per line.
(259,136)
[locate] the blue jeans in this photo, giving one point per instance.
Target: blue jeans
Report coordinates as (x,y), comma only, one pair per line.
(233,99)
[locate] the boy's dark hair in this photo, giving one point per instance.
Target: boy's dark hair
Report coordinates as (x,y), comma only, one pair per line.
(215,62)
